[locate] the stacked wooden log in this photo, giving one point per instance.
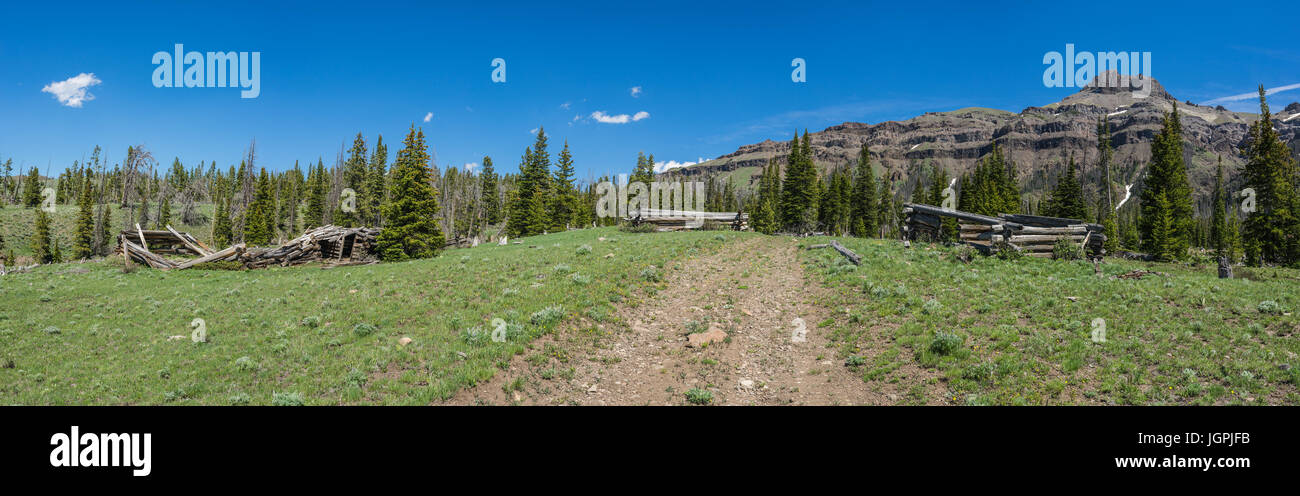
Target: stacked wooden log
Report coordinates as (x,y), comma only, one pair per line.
(677,220)
(330,244)
(1035,235)
(167,242)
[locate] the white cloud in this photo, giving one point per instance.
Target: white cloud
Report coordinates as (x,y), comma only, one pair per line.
(471,167)
(673,164)
(532,131)
(428,117)
(602,117)
(72,92)
(565,105)
(635,91)
(1252,95)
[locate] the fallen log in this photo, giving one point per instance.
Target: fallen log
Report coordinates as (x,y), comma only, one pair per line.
(853,257)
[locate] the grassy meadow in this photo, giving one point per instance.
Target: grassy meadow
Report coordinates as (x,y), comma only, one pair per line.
(87,333)
(995,332)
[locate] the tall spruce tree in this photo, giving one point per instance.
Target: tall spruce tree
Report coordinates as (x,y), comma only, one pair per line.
(82,240)
(259,220)
(490,191)
(885,211)
(1066,198)
(798,209)
(412,210)
(354,178)
(41,243)
(376,184)
(32,189)
(1272,231)
(528,209)
(864,209)
(1166,186)
(564,198)
(1218,217)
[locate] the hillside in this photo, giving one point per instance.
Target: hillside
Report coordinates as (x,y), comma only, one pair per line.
(1039,140)
(600,316)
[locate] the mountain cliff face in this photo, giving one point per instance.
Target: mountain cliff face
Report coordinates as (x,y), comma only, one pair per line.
(1039,140)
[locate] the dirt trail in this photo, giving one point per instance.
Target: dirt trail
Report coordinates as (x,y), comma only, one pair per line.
(753,290)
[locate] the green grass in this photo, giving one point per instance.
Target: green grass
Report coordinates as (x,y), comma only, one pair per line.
(90,334)
(1004,332)
(17,225)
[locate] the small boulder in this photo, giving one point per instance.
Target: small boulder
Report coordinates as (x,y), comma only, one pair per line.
(714,335)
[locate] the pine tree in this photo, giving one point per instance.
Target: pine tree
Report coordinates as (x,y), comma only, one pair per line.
(644,171)
(490,191)
(317,197)
(376,189)
(32,189)
(412,209)
(1066,199)
(1167,178)
(164,213)
(41,244)
(864,206)
(528,210)
(354,178)
(563,198)
(764,212)
(1272,229)
(1163,240)
(221,228)
(82,242)
(798,210)
(101,232)
(259,220)
(1218,217)
(885,211)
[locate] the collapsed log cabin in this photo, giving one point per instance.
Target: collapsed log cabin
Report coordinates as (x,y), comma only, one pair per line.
(1034,235)
(678,220)
(331,245)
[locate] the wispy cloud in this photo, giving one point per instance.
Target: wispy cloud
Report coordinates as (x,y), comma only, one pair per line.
(605,118)
(565,105)
(533,130)
(428,117)
(635,91)
(1252,95)
(673,164)
(72,92)
(471,167)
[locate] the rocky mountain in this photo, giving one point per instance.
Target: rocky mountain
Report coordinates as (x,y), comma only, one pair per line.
(1039,140)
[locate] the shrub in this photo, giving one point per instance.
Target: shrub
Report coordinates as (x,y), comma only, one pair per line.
(583,250)
(643,228)
(931,307)
(286,399)
(474,336)
(244,364)
(547,316)
(363,329)
(240,399)
(1269,306)
(311,322)
(355,378)
(697,396)
(945,342)
(562,269)
(1064,249)
(1008,251)
(652,274)
(855,361)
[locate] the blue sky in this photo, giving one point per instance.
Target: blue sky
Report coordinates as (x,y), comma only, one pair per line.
(711,76)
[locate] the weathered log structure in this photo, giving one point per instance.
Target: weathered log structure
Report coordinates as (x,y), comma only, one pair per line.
(327,244)
(678,220)
(1032,234)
